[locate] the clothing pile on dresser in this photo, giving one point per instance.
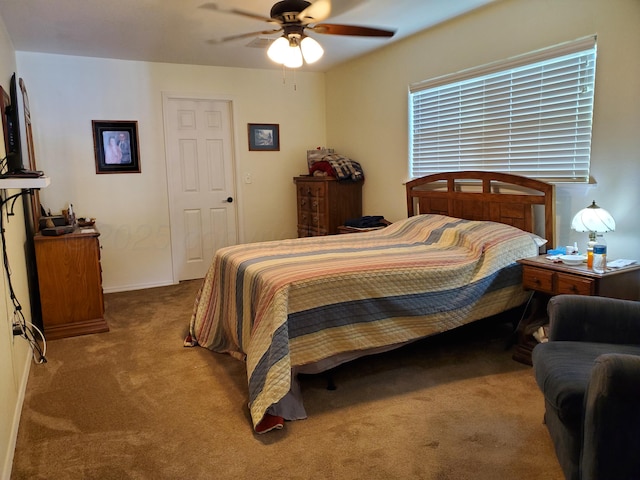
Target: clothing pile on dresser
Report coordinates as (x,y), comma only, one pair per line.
(338,166)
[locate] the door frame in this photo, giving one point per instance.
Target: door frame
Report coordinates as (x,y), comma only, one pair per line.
(166,97)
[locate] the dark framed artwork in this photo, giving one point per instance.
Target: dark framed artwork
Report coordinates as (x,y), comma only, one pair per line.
(116,146)
(264,136)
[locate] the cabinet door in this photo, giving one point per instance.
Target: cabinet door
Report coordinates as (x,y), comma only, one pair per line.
(70,282)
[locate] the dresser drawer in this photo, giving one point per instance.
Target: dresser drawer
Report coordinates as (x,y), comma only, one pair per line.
(311,189)
(312,219)
(556,283)
(304,231)
(311,203)
(537,279)
(572,284)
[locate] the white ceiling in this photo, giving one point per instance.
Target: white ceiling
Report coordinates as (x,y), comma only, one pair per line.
(176,31)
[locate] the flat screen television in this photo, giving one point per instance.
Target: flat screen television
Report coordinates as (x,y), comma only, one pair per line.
(12,135)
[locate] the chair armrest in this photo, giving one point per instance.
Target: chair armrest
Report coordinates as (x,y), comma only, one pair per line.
(594,319)
(612,419)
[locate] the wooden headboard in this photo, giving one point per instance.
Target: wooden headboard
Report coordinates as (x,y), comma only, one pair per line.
(499,197)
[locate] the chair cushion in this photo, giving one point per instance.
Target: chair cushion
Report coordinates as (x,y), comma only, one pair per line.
(562,370)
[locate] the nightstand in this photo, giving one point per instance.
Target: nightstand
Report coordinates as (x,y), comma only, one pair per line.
(546,278)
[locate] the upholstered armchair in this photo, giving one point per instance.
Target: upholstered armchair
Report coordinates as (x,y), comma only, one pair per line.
(589,374)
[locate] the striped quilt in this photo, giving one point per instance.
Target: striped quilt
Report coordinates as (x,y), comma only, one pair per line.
(284,304)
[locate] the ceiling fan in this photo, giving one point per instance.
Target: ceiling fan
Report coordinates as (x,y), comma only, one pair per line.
(292,18)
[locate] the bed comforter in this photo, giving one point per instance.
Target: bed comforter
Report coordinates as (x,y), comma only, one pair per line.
(282,305)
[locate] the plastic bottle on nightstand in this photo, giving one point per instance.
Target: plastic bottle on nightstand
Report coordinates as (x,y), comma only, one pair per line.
(600,256)
(590,245)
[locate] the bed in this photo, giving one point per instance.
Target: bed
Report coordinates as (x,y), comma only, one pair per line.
(307,305)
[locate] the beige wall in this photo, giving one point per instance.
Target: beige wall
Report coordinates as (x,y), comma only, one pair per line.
(66,93)
(367,102)
(14,351)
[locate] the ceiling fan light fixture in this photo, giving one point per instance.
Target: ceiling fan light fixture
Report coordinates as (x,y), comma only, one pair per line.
(311,50)
(286,51)
(293,57)
(278,50)
(293,18)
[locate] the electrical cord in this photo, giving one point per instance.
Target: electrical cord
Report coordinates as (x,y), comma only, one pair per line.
(27,330)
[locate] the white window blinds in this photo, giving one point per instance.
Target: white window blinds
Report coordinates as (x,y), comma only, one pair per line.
(529,115)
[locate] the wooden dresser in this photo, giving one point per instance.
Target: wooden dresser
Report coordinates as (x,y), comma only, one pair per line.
(70,281)
(324,204)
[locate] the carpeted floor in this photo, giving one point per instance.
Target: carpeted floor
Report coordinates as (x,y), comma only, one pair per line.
(134,404)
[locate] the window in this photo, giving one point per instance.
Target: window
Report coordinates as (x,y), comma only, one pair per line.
(530,115)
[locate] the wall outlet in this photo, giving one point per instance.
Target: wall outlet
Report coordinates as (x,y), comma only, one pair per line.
(17,329)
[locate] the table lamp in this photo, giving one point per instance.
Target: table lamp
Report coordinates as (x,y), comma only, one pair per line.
(593,219)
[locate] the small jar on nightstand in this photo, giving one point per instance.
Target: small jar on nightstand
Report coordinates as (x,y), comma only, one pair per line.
(599,258)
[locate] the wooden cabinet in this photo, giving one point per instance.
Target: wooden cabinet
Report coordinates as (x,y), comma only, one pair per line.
(325,203)
(547,278)
(70,281)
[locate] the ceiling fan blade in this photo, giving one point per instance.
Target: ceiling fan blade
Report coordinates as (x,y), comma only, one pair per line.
(217,8)
(333,29)
(322,9)
(217,41)
(316,12)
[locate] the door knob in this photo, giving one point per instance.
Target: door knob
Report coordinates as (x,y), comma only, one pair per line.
(229,200)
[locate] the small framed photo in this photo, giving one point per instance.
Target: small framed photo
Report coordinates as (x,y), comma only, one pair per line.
(264,136)
(116,146)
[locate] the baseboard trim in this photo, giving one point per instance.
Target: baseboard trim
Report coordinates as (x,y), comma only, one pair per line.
(141,286)
(13,438)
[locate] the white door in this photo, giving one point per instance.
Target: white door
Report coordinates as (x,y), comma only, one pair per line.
(200,169)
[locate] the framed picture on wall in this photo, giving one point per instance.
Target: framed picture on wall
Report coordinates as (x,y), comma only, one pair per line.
(264,136)
(116,146)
